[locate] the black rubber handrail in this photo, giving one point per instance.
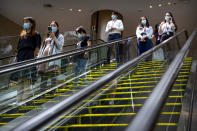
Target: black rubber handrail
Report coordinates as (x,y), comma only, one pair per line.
(11,56)
(39,120)
(34,62)
(146,118)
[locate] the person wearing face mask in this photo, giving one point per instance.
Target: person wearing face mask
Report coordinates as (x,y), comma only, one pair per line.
(114,29)
(168,27)
(28,42)
(81,60)
(144,34)
(52,44)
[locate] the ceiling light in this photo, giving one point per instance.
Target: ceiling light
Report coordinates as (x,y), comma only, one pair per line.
(151,6)
(79,10)
(160,5)
(169,3)
(71,9)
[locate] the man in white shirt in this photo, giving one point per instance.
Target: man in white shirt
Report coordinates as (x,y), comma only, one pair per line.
(114,29)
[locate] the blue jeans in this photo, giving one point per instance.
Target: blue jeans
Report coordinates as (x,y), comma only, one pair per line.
(114,37)
(143,46)
(80,68)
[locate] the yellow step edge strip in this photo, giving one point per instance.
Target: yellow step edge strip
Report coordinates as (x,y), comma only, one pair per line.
(135,87)
(166,124)
(141,79)
(144,82)
(133,92)
(118,114)
(107,125)
(110,114)
(3,123)
(16,114)
(136,105)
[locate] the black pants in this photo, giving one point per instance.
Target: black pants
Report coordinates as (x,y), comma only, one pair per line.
(165,36)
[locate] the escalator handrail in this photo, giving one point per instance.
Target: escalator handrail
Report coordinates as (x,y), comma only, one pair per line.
(7,57)
(34,62)
(148,114)
(11,56)
(49,114)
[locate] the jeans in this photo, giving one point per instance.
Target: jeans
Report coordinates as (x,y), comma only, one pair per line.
(80,68)
(143,46)
(117,46)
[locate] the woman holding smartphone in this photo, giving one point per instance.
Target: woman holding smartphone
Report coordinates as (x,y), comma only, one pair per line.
(52,44)
(168,27)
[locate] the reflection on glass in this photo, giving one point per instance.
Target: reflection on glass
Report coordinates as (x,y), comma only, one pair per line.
(29,91)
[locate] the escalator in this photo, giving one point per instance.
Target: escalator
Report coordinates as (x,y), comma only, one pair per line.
(64,91)
(26,102)
(115,108)
(113,104)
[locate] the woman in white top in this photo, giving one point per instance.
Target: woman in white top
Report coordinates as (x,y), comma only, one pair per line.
(144,34)
(168,27)
(52,44)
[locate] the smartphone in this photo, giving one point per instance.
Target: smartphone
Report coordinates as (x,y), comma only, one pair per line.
(49,28)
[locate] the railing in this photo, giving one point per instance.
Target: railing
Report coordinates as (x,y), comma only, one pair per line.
(146,117)
(70,45)
(34,62)
(39,120)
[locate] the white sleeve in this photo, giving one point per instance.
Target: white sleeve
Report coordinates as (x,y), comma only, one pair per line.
(59,42)
(161,28)
(138,34)
(120,26)
(150,33)
(107,28)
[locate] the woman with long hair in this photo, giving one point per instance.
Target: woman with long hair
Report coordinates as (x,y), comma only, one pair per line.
(168,27)
(29,40)
(52,44)
(144,33)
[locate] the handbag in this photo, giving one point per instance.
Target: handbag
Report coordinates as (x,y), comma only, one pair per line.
(44,51)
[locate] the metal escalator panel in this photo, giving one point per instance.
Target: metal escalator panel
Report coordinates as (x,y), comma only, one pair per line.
(116,104)
(170,121)
(27,91)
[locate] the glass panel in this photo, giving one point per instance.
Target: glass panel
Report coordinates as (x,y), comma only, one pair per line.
(8,46)
(29,91)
